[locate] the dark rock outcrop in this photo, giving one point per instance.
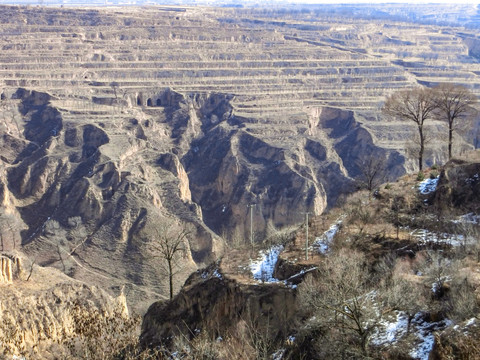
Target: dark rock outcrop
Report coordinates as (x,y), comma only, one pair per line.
(458,187)
(230,169)
(220,306)
(293,273)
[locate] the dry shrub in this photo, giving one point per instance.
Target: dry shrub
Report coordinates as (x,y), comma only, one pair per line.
(235,348)
(455,345)
(11,339)
(246,341)
(343,305)
(363,224)
(101,335)
(464,303)
(400,283)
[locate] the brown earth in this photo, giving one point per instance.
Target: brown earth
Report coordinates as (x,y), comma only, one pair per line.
(116,120)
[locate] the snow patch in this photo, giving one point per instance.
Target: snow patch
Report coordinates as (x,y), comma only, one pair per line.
(471,322)
(428,186)
(470,218)
(278,355)
(424,236)
(217,274)
(206,274)
(262,268)
(322,243)
(473,179)
(390,331)
(423,349)
(424,333)
(302,272)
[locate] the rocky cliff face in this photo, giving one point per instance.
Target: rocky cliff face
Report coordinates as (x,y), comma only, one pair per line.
(92,193)
(230,167)
(41,309)
(458,187)
(220,306)
(10,268)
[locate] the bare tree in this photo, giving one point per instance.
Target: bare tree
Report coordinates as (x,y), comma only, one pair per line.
(392,277)
(342,303)
(438,271)
(453,103)
(115,87)
(59,253)
(372,172)
(416,105)
(30,272)
(394,213)
(169,244)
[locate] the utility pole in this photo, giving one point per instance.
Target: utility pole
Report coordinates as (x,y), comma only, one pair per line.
(306,235)
(251,206)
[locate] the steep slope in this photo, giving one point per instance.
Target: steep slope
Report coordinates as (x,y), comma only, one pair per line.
(42,311)
(459,186)
(349,295)
(105,137)
(90,193)
(232,167)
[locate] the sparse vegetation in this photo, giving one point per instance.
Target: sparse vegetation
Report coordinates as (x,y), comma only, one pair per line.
(97,335)
(420,176)
(378,270)
(372,172)
(343,306)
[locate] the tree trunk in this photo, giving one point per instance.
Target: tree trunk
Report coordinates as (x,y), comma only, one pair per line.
(422,148)
(450,141)
(409,322)
(364,344)
(170,279)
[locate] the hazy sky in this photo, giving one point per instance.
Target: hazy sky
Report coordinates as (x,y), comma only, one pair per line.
(385,1)
(283,1)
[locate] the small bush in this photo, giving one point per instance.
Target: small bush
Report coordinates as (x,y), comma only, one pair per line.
(457,345)
(388,187)
(420,176)
(433,174)
(434,167)
(100,335)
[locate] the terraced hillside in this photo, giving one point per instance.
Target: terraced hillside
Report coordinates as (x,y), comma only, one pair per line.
(116,119)
(279,69)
